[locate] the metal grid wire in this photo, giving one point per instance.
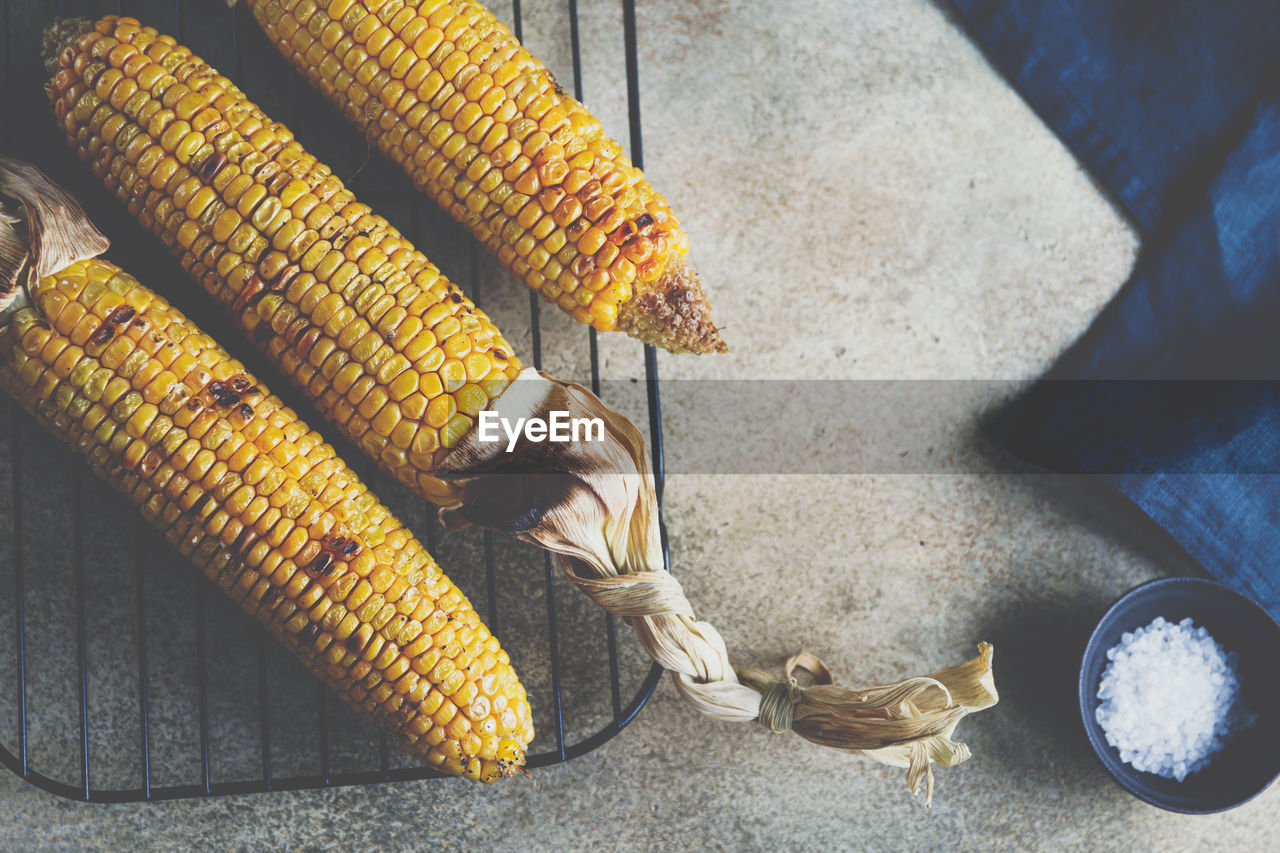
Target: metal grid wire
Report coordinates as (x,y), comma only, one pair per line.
(131,677)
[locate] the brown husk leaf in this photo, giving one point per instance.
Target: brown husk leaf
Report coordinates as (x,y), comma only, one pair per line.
(47,225)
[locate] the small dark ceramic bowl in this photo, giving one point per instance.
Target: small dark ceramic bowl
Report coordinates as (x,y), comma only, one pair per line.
(1251,761)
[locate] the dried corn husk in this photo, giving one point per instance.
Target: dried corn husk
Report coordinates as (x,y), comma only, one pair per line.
(42,229)
(594,505)
(59,231)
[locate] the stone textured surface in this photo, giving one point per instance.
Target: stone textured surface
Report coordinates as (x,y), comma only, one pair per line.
(867,200)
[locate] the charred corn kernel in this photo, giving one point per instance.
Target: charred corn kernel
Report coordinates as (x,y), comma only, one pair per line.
(213,482)
(339,299)
(477,121)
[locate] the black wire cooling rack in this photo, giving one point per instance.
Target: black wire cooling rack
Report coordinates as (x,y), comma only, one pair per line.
(124,674)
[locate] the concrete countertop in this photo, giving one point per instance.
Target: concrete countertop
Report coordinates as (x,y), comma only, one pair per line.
(867,200)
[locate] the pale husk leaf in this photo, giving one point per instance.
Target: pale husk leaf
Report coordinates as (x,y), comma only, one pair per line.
(594,505)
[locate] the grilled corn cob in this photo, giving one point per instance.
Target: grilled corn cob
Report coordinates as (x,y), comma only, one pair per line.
(264,507)
(481,126)
(390,350)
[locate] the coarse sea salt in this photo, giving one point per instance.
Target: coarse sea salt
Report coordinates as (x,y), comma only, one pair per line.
(1170,698)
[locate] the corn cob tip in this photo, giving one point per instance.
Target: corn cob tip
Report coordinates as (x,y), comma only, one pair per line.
(673,313)
(60,35)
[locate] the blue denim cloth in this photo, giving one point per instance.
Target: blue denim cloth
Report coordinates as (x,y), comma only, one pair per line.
(1174,106)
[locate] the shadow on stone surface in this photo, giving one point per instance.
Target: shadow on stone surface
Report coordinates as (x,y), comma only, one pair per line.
(1037,669)
(1090,502)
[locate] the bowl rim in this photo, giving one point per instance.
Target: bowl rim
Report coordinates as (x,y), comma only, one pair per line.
(1093,730)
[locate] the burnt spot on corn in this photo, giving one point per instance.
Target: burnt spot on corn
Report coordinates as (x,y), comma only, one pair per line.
(308,339)
(322,565)
(244,541)
(456,297)
(644,220)
(263,332)
(355,644)
(228,394)
(103,335)
(122,314)
(252,291)
(212,165)
(341,546)
(194,404)
(309,633)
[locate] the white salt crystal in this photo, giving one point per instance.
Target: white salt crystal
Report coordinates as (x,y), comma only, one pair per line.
(1170,698)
